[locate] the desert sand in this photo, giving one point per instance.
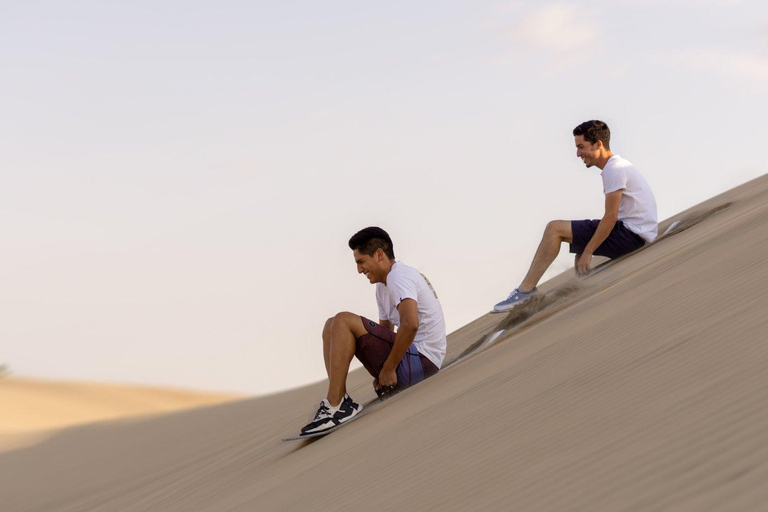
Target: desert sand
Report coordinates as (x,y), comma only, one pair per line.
(34,409)
(642,387)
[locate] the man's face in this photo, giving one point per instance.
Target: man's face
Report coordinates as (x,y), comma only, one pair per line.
(587,151)
(370,266)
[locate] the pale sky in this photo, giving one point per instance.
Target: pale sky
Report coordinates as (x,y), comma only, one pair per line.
(180,179)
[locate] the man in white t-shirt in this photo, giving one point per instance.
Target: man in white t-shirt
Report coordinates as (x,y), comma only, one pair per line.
(396,360)
(629,221)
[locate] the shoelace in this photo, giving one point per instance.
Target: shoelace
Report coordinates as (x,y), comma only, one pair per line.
(514,293)
(323,412)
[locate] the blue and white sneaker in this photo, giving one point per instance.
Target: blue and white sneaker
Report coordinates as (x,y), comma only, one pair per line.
(515,298)
(328,417)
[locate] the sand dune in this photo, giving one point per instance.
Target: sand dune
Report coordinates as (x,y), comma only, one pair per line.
(642,387)
(33,409)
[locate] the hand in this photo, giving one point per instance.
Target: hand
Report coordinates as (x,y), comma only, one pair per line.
(582,266)
(387,378)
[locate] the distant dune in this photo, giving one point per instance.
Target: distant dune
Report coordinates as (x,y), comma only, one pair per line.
(642,387)
(32,408)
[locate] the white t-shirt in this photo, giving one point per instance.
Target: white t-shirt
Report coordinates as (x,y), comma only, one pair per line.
(404,282)
(637,209)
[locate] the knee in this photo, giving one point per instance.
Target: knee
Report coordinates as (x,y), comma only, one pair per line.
(346,322)
(549,231)
(556,228)
(343,318)
(327,326)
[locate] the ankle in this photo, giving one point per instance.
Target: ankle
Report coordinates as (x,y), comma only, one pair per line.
(335,403)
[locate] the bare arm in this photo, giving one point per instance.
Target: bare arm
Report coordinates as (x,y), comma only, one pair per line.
(611,216)
(409,325)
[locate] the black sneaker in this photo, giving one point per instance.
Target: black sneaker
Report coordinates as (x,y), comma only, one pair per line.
(348,408)
(323,419)
(328,417)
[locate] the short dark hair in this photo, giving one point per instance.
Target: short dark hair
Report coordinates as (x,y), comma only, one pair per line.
(594,131)
(367,240)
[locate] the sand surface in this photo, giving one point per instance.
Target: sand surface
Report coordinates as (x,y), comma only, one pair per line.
(34,409)
(641,388)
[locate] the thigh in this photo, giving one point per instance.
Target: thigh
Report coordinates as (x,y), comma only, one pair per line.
(373,353)
(374,347)
(620,241)
(582,232)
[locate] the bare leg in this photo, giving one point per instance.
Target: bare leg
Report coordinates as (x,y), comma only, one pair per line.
(344,331)
(327,346)
(557,231)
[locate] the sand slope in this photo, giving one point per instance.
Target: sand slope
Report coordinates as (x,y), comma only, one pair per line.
(33,408)
(642,387)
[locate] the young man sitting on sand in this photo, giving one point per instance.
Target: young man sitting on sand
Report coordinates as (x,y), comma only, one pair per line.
(629,221)
(406,300)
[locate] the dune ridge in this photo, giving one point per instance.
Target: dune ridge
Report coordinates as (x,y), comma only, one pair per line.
(34,409)
(642,388)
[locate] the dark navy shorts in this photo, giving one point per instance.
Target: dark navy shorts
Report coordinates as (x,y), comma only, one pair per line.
(373,348)
(620,241)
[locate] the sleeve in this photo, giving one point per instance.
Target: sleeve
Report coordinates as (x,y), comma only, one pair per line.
(614,179)
(401,288)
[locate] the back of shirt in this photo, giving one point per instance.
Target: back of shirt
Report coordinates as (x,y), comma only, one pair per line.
(404,282)
(637,209)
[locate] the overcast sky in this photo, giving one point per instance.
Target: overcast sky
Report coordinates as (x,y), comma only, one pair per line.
(180,179)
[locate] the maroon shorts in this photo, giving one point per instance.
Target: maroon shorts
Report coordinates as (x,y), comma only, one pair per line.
(373,349)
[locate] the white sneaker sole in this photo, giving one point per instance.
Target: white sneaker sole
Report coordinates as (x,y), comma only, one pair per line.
(511,307)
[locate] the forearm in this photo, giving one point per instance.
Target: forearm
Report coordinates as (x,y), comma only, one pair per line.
(601,233)
(403,340)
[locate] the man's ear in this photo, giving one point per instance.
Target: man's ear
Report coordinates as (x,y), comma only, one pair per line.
(379,254)
(599,145)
